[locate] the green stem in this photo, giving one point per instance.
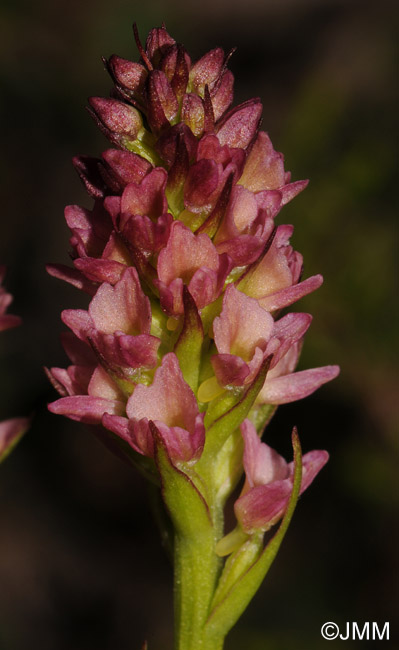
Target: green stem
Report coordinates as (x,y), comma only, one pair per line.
(198,524)
(197,569)
(195,578)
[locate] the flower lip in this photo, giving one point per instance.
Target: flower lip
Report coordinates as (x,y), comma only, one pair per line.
(294,386)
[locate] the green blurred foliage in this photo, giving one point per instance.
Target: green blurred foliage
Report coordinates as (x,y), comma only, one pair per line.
(80,564)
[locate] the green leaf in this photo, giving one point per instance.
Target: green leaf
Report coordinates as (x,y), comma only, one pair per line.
(221,405)
(187,507)
(188,348)
(228,466)
(209,313)
(261,414)
(239,582)
(250,548)
(231,411)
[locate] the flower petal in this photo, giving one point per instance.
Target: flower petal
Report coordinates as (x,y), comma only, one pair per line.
(262,464)
(125,167)
(264,168)
(239,126)
(289,388)
(289,295)
(263,505)
(122,307)
(185,253)
(146,197)
(242,325)
(86,409)
(266,492)
(168,399)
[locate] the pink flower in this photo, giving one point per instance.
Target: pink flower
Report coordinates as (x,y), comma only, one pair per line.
(192,260)
(87,389)
(117,326)
(245,334)
(146,197)
(269,481)
(264,170)
(171,405)
(247,224)
(118,323)
(274,279)
(144,221)
(242,333)
(207,176)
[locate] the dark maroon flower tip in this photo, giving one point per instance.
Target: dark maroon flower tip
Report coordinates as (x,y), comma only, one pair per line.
(115,117)
(240,125)
(89,171)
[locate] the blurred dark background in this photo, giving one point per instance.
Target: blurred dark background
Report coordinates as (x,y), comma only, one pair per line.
(81,567)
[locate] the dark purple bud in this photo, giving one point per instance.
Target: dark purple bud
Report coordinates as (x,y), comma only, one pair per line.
(193,113)
(122,168)
(176,65)
(179,170)
(202,181)
(209,118)
(147,235)
(117,119)
(162,103)
(211,225)
(207,70)
(168,143)
(222,94)
(128,74)
(158,42)
(89,170)
(240,125)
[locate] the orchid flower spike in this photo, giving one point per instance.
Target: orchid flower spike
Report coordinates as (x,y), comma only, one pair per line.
(183,345)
